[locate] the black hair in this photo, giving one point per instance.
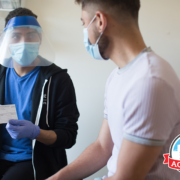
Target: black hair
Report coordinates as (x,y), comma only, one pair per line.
(120,6)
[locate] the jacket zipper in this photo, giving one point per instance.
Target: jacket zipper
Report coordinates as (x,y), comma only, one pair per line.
(37,123)
(48,101)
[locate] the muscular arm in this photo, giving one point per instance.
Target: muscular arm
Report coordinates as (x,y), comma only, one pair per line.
(47,137)
(135,161)
(91,160)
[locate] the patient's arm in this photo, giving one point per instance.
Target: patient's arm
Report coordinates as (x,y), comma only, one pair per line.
(91,160)
(135,161)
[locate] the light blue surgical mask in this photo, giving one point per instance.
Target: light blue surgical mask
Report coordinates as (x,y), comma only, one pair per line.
(24,53)
(92,49)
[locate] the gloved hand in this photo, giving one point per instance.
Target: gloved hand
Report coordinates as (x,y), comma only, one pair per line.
(19,129)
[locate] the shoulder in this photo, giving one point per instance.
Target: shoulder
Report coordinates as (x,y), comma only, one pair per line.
(160,68)
(61,78)
(152,68)
(161,71)
(150,76)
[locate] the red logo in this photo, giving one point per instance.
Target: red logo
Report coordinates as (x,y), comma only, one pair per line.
(173,158)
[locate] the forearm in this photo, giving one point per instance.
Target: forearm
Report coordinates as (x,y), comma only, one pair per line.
(90,161)
(47,137)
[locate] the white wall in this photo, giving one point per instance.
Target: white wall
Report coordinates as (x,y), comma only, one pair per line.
(160,25)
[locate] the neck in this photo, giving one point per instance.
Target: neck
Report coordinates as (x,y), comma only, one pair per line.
(22,71)
(126,44)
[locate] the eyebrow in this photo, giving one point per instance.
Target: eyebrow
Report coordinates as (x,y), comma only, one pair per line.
(27,33)
(15,33)
(32,32)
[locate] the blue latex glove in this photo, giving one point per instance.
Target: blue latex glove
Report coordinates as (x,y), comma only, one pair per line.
(98,179)
(19,129)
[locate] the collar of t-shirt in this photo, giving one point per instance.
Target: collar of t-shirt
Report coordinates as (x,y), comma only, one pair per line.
(28,75)
(125,68)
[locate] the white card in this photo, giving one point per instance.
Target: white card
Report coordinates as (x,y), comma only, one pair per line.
(7,112)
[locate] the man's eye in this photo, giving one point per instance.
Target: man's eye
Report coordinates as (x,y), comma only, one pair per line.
(15,37)
(31,36)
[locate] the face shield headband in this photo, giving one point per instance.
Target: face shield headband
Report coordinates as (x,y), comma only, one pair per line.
(23,21)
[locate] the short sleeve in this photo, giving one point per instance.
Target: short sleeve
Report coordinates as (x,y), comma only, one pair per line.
(150,112)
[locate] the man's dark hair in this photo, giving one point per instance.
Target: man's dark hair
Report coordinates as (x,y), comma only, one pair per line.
(117,6)
(19,12)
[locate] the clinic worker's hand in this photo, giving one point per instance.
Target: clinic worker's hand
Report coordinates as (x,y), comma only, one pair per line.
(19,129)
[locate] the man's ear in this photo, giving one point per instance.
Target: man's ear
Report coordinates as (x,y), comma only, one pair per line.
(101,21)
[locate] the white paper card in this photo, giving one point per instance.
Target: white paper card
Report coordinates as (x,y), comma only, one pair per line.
(7,112)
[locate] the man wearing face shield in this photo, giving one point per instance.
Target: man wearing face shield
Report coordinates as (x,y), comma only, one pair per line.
(33,147)
(142,99)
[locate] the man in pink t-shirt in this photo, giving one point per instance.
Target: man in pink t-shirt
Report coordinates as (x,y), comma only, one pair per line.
(142,99)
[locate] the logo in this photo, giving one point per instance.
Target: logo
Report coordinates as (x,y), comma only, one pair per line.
(45,99)
(173,158)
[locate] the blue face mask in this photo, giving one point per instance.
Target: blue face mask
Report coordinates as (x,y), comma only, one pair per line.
(92,49)
(24,53)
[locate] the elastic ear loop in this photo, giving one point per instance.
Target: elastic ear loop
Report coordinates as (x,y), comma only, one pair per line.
(91,21)
(101,33)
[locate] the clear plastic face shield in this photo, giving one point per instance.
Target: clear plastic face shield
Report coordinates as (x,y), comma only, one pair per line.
(23,44)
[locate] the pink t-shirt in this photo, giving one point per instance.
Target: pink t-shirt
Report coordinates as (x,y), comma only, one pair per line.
(142,105)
